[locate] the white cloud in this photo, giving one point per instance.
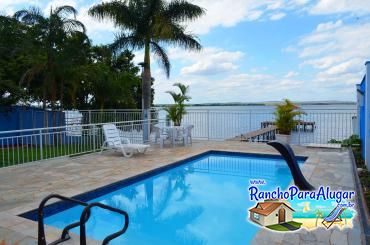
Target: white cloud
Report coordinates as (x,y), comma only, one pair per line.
(300,2)
(275,5)
(227,14)
(209,61)
(291,74)
(329,25)
(277,16)
(337,52)
(94,26)
(357,7)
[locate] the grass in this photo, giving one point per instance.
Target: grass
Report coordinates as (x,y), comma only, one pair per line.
(295,224)
(29,153)
(279,227)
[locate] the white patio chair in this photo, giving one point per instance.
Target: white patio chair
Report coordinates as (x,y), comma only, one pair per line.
(158,131)
(187,138)
(113,141)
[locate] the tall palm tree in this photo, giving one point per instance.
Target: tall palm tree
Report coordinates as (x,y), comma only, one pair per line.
(52,32)
(150,25)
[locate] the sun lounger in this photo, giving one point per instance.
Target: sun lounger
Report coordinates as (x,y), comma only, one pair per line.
(334,216)
(113,141)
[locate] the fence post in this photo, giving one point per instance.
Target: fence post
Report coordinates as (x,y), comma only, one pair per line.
(89,116)
(299,130)
(94,136)
(208,124)
(41,151)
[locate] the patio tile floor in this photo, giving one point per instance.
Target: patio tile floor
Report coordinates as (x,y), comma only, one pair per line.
(23,187)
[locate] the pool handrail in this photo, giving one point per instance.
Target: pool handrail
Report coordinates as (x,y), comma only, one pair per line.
(84,218)
(287,153)
(41,229)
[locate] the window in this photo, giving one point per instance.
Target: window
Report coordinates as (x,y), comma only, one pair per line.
(256,216)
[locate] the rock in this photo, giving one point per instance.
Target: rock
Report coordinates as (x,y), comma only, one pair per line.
(268,237)
(354,236)
(291,238)
(308,237)
(338,237)
(322,235)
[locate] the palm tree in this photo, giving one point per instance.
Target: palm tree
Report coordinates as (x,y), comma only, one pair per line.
(52,32)
(319,214)
(149,25)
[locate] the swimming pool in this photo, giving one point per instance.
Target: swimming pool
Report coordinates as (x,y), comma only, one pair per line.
(196,201)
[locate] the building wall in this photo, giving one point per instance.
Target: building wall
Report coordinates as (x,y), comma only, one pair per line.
(273,218)
(363,109)
(260,221)
(366,116)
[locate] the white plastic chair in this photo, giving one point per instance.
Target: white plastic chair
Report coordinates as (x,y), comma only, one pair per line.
(158,131)
(113,141)
(187,137)
(163,133)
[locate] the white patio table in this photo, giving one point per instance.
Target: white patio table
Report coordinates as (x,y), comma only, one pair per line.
(174,132)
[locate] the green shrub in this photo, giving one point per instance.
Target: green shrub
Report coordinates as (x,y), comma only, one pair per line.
(285,114)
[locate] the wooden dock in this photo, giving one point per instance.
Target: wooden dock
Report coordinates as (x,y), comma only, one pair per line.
(260,135)
(301,125)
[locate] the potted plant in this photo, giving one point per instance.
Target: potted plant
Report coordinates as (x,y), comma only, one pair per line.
(285,122)
(176,111)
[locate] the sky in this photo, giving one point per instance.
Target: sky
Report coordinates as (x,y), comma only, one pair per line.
(256,50)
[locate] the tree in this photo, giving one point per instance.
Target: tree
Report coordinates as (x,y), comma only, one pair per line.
(51,33)
(177,110)
(148,25)
(14,53)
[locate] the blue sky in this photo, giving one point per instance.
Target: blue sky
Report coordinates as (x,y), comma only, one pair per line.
(257,50)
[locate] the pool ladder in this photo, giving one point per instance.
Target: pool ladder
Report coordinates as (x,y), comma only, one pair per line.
(85,215)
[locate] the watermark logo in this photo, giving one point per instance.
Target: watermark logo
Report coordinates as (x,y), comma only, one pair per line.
(290,209)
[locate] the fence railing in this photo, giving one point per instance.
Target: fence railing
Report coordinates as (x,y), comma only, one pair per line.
(315,126)
(113,115)
(21,146)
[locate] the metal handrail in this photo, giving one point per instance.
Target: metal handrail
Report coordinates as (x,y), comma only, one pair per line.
(84,218)
(41,229)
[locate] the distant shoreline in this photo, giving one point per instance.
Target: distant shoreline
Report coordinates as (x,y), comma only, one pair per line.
(267,103)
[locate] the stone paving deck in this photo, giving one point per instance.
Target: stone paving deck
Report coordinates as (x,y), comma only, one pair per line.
(23,187)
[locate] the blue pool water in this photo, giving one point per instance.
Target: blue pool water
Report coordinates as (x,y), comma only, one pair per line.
(203,201)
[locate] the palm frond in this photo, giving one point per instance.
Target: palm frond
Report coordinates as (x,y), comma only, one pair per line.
(180,10)
(178,37)
(65,10)
(163,57)
(72,25)
(117,11)
(30,17)
(123,41)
